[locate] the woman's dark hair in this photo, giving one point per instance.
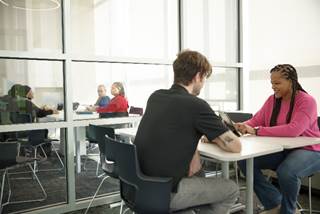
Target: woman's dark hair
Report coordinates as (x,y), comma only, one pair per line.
(188,64)
(288,72)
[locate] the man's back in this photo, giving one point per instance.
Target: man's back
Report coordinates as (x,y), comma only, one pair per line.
(170,130)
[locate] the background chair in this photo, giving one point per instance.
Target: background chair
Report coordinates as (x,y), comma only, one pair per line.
(141,193)
(113,114)
(35,140)
(94,134)
(309,192)
(136,110)
(97,135)
(238,117)
(9,160)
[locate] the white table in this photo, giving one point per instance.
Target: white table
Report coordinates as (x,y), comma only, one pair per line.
(60,116)
(250,149)
(285,142)
(252,146)
(83,120)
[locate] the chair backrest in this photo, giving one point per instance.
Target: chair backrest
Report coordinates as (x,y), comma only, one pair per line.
(136,110)
(18,117)
(113,114)
(36,137)
(8,154)
(141,193)
(239,116)
(97,135)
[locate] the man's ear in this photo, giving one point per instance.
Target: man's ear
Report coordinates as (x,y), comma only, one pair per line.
(198,76)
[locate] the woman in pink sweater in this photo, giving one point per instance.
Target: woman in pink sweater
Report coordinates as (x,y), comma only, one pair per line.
(289,112)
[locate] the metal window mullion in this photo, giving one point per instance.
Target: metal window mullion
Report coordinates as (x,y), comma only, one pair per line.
(69,150)
(31,55)
(181,27)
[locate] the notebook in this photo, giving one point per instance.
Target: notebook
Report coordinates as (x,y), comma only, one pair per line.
(229,123)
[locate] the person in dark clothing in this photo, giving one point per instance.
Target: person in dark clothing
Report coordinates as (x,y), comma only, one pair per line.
(167,138)
(22,95)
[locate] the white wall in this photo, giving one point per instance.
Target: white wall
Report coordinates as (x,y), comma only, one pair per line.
(285,31)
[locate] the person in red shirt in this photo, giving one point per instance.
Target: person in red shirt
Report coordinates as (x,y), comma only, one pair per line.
(119,103)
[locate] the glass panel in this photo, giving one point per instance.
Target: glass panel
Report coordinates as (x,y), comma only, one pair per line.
(50,171)
(30,87)
(30,25)
(221,89)
(139,81)
(211,27)
(125,28)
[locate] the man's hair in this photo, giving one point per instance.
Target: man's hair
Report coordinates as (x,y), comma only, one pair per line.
(188,64)
(102,86)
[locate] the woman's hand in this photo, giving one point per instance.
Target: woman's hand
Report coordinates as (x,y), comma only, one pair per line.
(244,128)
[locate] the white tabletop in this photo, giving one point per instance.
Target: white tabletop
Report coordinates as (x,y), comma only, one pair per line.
(250,149)
(249,142)
(127,132)
(286,142)
(60,116)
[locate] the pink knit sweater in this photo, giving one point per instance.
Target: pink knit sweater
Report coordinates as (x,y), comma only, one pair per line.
(303,120)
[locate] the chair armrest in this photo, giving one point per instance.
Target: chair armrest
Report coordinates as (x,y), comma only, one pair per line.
(155,179)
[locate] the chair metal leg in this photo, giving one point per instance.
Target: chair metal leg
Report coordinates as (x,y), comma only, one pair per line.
(310,196)
(95,194)
(310,211)
(235,166)
(127,209)
(98,162)
(33,200)
(121,206)
(2,189)
(58,156)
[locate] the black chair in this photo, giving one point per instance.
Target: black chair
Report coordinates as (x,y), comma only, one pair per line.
(113,114)
(9,160)
(310,210)
(142,194)
(34,139)
(97,135)
(136,110)
(37,139)
(239,116)
(93,134)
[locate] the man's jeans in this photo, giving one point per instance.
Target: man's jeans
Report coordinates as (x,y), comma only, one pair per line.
(290,166)
(209,195)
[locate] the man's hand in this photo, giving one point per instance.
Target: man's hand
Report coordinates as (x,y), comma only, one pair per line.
(195,164)
(204,139)
(229,142)
(91,108)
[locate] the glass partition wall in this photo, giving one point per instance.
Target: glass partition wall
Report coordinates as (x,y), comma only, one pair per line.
(63,50)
